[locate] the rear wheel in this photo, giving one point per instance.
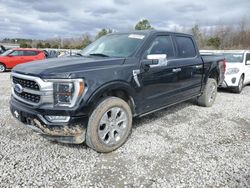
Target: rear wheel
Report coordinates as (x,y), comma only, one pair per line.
(109,125)
(2,67)
(240,86)
(209,94)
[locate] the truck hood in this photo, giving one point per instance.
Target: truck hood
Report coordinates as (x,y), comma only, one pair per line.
(65,67)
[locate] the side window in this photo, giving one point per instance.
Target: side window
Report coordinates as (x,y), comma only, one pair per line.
(17,53)
(185,47)
(247,58)
(30,53)
(162,45)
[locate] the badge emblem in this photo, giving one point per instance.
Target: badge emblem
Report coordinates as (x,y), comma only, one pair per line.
(18,88)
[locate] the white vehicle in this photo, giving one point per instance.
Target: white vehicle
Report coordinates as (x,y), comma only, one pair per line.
(237,68)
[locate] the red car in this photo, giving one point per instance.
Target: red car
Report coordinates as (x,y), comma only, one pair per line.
(16,56)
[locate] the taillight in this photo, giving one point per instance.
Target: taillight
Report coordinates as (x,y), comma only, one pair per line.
(225,64)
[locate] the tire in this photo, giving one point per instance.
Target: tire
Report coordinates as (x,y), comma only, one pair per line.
(109,125)
(209,94)
(2,67)
(240,86)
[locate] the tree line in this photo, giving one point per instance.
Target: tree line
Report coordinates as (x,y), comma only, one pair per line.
(216,37)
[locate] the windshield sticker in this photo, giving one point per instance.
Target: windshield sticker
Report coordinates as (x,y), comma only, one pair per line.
(135,36)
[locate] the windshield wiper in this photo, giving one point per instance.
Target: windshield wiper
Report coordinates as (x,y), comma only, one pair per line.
(99,54)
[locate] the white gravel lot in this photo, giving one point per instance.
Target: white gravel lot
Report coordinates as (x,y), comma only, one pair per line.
(182,146)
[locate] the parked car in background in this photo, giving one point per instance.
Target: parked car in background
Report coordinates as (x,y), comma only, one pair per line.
(237,68)
(15,56)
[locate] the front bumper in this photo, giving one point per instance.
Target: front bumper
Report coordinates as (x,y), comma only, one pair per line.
(70,132)
(231,81)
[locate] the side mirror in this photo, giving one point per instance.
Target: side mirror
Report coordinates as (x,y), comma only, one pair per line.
(10,55)
(248,62)
(157,57)
(154,60)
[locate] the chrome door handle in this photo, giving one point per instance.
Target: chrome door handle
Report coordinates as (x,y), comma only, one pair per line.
(176,70)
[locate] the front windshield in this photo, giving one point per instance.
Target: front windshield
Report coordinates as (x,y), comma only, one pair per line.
(6,53)
(115,45)
(234,57)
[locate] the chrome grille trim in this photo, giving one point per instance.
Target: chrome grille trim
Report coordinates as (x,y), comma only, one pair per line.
(45,92)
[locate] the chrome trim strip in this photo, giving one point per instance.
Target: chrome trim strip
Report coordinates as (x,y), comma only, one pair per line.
(46,90)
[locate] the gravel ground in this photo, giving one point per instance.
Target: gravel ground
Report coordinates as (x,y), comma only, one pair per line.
(182,146)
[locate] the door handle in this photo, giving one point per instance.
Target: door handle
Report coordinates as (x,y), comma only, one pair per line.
(198,66)
(176,70)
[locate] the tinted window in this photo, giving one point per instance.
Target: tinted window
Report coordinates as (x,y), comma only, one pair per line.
(30,53)
(162,45)
(17,53)
(186,47)
(248,57)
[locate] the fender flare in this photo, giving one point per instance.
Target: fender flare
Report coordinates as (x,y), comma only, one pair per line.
(114,85)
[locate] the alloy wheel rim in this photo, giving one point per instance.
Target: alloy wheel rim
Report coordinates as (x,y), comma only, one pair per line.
(113,126)
(1,68)
(212,93)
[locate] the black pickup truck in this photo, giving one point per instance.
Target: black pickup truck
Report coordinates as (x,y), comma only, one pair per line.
(94,95)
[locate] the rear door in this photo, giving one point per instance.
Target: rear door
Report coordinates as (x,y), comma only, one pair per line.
(31,55)
(190,66)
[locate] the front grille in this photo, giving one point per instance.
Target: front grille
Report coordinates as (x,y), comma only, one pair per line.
(29,97)
(30,92)
(26,83)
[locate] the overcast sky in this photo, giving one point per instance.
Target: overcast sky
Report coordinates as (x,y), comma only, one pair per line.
(41,19)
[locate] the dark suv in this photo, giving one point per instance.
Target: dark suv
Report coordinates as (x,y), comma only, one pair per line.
(94,95)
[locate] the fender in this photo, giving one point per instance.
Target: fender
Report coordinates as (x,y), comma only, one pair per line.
(114,85)
(211,70)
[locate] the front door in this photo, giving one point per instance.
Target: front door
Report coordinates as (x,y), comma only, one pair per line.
(16,57)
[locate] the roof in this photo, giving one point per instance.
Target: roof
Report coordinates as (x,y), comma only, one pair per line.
(26,49)
(150,31)
(225,51)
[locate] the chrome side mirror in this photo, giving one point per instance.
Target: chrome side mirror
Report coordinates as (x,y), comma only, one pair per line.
(161,59)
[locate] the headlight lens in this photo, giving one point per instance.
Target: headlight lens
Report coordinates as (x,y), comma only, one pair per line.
(67,92)
(232,71)
(63,93)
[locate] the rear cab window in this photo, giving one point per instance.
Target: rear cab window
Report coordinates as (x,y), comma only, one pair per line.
(185,47)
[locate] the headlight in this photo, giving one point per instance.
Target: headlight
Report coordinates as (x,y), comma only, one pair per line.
(66,93)
(232,71)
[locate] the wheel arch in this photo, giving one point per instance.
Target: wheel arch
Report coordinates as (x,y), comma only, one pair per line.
(1,63)
(118,89)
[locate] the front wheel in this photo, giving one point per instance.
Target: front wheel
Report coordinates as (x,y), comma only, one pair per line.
(209,94)
(109,125)
(2,67)
(240,86)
